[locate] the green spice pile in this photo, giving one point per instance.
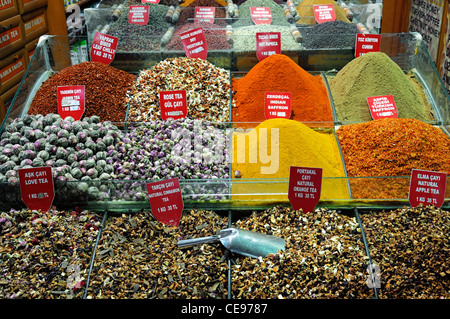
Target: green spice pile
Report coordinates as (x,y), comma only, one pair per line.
(245,18)
(46,255)
(376,74)
(324,257)
(134,37)
(207,90)
(332,34)
(411,247)
(138,257)
(244,38)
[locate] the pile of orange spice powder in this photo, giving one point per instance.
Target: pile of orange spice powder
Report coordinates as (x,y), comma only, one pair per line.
(279,73)
(391,147)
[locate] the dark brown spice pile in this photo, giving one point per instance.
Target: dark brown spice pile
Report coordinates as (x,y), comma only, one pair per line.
(412,249)
(105,90)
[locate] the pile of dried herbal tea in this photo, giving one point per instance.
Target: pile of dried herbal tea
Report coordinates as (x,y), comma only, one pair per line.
(411,247)
(138,257)
(207,90)
(46,255)
(215,36)
(324,257)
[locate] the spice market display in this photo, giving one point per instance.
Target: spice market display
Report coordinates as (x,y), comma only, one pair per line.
(103,238)
(278,73)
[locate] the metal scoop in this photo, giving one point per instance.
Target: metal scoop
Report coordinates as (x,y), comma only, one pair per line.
(244,242)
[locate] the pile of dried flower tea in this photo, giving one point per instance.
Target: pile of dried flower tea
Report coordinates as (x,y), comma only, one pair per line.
(215,36)
(207,90)
(46,255)
(376,74)
(245,18)
(138,257)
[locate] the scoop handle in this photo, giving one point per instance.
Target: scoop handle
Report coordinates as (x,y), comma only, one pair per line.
(197,241)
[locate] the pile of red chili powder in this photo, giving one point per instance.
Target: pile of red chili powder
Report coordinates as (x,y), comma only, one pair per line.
(391,147)
(105,90)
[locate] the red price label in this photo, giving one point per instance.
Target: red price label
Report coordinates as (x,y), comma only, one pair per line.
(71,101)
(138,15)
(166,201)
(324,13)
(277,105)
(366,43)
(427,187)
(103,48)
(305,184)
(194,43)
(36,187)
(267,43)
(204,14)
(261,15)
(173,104)
(382,107)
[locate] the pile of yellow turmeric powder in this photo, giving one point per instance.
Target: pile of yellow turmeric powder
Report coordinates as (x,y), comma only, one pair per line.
(267,152)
